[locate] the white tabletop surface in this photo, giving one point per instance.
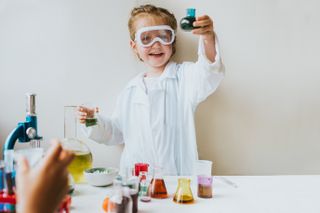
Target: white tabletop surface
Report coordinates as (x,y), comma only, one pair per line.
(265,194)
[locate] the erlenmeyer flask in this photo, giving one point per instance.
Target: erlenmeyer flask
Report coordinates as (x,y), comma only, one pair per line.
(157,187)
(183,193)
(83,157)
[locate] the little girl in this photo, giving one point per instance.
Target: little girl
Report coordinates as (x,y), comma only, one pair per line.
(154,115)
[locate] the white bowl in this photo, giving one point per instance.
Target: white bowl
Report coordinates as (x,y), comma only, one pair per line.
(100,176)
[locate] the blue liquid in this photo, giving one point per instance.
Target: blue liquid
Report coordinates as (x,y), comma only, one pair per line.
(187,23)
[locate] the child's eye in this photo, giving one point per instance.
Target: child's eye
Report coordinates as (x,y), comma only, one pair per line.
(145,39)
(164,37)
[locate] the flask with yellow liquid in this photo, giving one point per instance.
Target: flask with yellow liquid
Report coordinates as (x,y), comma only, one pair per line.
(183,193)
(83,156)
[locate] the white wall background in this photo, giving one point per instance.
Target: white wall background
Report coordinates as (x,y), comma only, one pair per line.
(264,119)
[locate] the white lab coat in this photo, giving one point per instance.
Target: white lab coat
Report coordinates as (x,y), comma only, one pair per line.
(169,139)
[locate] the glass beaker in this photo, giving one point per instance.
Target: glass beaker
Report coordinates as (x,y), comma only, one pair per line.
(157,187)
(91,119)
(183,193)
(83,157)
(204,186)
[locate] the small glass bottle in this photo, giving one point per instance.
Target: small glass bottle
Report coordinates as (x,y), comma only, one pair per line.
(183,193)
(140,167)
(144,184)
(186,23)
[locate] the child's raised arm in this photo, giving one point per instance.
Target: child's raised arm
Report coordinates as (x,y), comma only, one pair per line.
(205,30)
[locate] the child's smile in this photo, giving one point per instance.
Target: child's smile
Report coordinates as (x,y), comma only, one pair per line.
(156,54)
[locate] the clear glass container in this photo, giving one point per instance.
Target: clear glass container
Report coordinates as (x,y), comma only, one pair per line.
(183,193)
(157,187)
(91,119)
(144,184)
(83,156)
(204,186)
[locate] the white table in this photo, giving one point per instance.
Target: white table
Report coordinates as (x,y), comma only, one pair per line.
(257,194)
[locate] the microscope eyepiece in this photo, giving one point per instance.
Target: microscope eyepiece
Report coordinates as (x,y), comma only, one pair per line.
(31,103)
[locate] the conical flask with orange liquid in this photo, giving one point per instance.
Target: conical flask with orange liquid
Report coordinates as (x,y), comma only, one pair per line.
(157,187)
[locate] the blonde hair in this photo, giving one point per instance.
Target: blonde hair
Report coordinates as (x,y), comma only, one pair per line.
(152,10)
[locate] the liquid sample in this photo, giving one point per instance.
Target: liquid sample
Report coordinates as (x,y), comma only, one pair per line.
(187,23)
(143,192)
(91,122)
(140,167)
(184,199)
(204,186)
(204,191)
(81,162)
(183,193)
(143,189)
(157,189)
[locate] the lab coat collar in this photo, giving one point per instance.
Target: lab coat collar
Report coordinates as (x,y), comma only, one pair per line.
(168,73)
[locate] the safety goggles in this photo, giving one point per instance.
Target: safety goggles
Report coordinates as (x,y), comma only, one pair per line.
(147,36)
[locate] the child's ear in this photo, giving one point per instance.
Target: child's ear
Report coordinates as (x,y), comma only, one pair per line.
(134,48)
(133,45)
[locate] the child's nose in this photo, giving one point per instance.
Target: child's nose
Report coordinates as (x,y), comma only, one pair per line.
(156,44)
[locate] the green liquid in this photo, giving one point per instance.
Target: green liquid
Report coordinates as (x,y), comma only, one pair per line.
(187,23)
(79,164)
(91,122)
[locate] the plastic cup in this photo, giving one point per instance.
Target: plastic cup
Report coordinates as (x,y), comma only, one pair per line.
(203,167)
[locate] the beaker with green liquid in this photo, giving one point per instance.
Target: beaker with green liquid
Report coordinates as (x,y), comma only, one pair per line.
(91,119)
(71,142)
